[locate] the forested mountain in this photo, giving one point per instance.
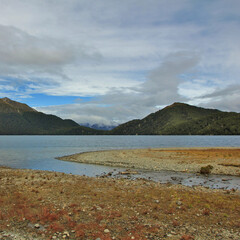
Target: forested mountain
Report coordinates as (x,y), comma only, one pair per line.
(20,119)
(183,119)
(177,119)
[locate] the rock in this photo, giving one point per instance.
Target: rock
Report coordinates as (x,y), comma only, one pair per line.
(66,235)
(128,172)
(224,179)
(179,203)
(106,231)
(37,225)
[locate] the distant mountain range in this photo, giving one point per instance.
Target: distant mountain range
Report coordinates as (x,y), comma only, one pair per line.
(99,126)
(177,119)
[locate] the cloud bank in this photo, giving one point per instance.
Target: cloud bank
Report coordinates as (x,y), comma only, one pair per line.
(127,58)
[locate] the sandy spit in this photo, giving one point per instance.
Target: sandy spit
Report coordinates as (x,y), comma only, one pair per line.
(224,160)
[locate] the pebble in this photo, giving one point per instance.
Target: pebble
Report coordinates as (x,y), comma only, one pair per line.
(179,203)
(37,225)
(106,231)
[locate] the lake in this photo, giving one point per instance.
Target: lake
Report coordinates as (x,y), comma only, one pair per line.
(39,152)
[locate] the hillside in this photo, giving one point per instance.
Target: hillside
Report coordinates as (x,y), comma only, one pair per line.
(9,106)
(183,119)
(177,119)
(20,119)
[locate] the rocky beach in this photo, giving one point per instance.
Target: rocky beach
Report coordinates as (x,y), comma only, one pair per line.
(225,161)
(50,205)
(38,204)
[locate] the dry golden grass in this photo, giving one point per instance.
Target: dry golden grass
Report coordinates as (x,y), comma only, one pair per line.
(86,207)
(197,155)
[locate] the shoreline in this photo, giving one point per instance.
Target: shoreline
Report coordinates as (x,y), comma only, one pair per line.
(43,205)
(224,160)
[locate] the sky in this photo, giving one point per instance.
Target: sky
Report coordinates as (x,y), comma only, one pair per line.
(111,61)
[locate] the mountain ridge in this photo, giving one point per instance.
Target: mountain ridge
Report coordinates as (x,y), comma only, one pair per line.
(19,119)
(183,119)
(176,119)
(7,105)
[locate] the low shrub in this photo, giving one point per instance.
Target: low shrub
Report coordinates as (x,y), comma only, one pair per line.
(56,227)
(187,237)
(206,170)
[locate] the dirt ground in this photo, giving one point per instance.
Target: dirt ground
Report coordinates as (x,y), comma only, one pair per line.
(49,205)
(223,160)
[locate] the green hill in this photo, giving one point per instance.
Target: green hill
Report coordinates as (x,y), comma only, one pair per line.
(177,119)
(19,119)
(183,119)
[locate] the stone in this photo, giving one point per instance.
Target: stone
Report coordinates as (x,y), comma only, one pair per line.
(37,225)
(66,233)
(179,203)
(106,231)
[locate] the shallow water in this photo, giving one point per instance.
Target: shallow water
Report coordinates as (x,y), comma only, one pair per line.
(191,179)
(39,152)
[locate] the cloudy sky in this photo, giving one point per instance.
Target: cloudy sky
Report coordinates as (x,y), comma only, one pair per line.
(110,61)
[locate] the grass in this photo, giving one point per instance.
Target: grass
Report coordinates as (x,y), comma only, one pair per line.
(86,207)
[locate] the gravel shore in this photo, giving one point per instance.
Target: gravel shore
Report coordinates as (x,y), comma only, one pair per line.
(223,160)
(50,205)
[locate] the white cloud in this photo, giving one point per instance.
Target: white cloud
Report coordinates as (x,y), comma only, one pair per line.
(120,105)
(132,55)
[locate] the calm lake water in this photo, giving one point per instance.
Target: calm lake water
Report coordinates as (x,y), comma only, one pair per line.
(39,152)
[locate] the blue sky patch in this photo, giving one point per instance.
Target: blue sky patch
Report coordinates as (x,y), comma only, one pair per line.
(40,100)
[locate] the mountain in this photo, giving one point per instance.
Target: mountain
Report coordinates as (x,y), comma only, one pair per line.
(99,126)
(177,119)
(9,106)
(183,119)
(20,119)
